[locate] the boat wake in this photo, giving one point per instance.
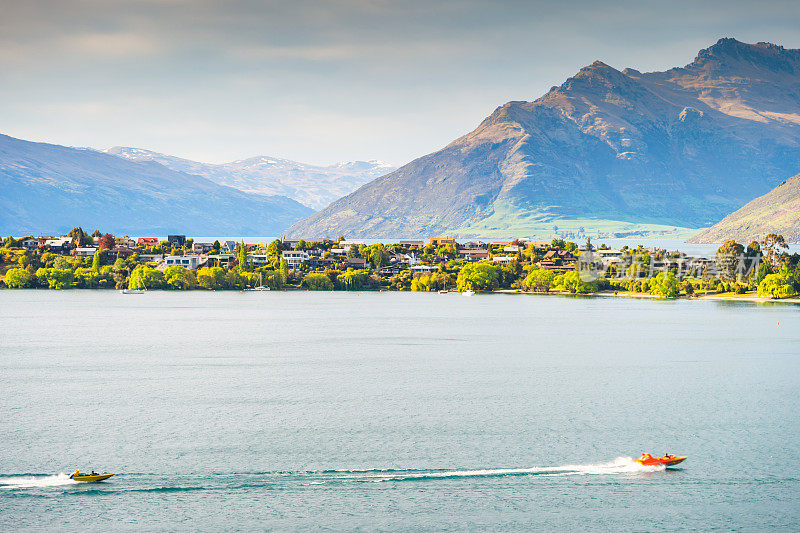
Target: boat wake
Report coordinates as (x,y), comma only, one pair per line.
(620,465)
(28,481)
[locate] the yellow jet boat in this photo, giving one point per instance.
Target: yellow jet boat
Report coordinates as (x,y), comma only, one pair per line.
(89,478)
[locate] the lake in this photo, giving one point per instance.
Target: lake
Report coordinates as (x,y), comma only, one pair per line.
(376,411)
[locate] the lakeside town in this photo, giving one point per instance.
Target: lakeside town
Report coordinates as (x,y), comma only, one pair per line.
(762,269)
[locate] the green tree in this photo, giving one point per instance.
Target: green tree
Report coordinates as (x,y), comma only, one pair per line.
(353,280)
(211,278)
(18,278)
(422,283)
(772,246)
(539,280)
(79,237)
(96,262)
(664,284)
(145,277)
(178,278)
(242,256)
(777,285)
(572,282)
(478,277)
(379,256)
(55,278)
(317,281)
(284,269)
(728,257)
(275,248)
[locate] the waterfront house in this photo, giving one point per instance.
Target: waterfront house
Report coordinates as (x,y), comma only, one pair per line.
(319,261)
(189,262)
(125,241)
(221,260)
(202,247)
(349,244)
(537,245)
(147,241)
(356,262)
(474,254)
(258,259)
(85,251)
(411,259)
(176,241)
(289,244)
(58,245)
(412,244)
(390,270)
(438,241)
(150,258)
(119,251)
(473,245)
(32,244)
(296,257)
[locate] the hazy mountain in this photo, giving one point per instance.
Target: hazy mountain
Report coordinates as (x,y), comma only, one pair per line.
(49,188)
(311,185)
(778,211)
(606,149)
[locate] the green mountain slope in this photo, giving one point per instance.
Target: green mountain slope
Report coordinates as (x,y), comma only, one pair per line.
(778,211)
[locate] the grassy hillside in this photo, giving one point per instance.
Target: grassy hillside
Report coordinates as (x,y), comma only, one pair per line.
(778,211)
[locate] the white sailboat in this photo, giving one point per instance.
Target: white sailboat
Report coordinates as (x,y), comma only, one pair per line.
(261,286)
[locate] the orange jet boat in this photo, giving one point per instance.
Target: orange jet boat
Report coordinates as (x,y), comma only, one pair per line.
(667,460)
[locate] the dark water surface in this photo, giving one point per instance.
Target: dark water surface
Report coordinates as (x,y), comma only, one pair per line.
(297,411)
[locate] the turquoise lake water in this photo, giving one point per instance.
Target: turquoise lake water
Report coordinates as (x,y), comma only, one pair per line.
(396,411)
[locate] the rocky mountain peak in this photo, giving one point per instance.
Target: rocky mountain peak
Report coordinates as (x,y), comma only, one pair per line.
(730,54)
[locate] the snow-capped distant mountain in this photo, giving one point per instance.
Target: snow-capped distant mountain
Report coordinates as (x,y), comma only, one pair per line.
(50,188)
(314,186)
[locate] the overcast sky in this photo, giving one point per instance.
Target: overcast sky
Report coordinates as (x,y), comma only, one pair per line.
(321,82)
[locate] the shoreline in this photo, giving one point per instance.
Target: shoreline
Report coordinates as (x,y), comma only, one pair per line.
(605,294)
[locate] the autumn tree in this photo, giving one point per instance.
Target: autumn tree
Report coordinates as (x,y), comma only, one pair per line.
(106,241)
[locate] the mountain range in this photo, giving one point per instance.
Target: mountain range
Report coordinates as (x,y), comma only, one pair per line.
(48,189)
(606,149)
(314,186)
(778,211)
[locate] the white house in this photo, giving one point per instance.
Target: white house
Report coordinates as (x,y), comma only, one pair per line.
(85,251)
(258,259)
(32,244)
(189,262)
(412,259)
(422,269)
(296,257)
(502,259)
(348,244)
